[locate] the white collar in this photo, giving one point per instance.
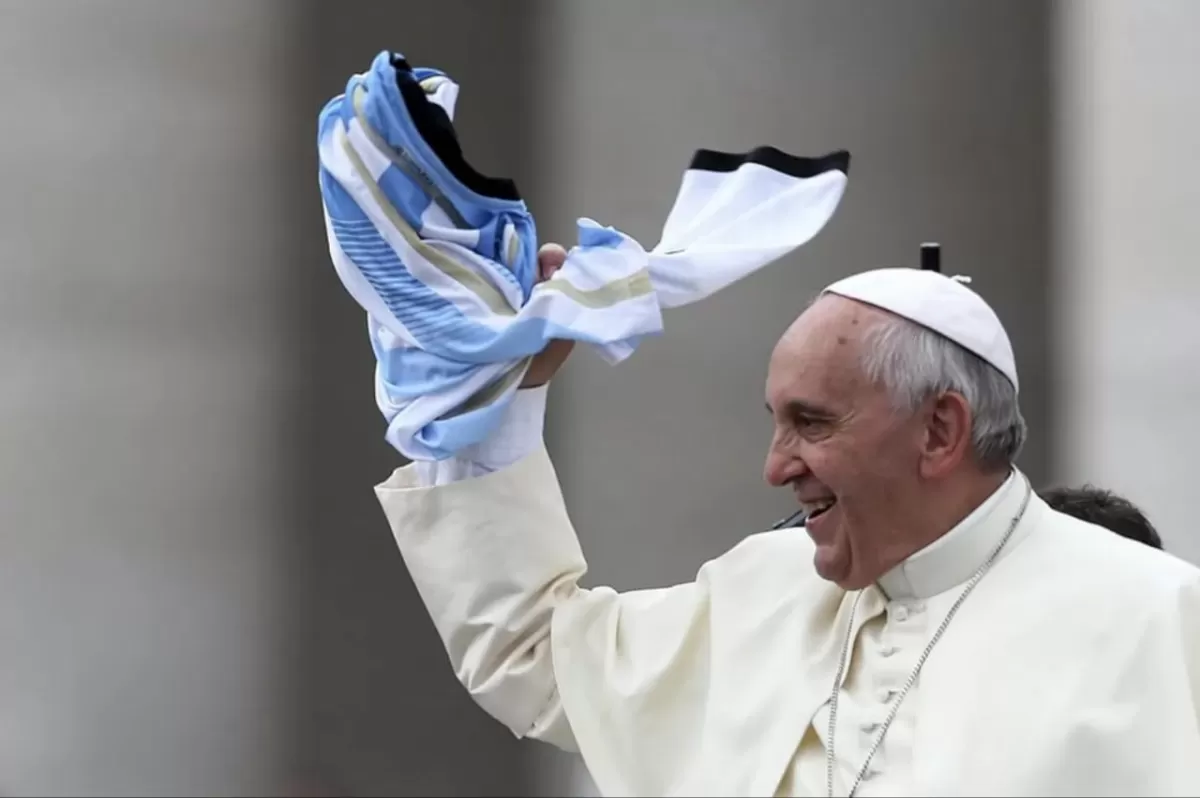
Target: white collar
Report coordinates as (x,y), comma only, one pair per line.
(953,558)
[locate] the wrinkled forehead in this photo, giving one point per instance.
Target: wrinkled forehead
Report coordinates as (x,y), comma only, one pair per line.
(831,327)
(821,352)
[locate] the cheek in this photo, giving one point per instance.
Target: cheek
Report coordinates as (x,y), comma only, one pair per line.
(898,451)
(850,469)
(878,473)
(830,463)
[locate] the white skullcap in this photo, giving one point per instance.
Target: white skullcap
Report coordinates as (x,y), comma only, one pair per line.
(940,303)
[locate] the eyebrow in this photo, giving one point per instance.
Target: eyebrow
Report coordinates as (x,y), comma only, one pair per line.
(800,408)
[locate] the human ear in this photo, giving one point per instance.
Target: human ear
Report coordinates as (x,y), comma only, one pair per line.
(947,439)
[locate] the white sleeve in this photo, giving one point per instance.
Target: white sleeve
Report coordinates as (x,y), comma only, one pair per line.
(623,678)
(492,558)
(497,564)
(519,435)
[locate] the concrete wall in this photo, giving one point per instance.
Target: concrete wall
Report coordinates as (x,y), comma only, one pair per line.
(1128,289)
(141,548)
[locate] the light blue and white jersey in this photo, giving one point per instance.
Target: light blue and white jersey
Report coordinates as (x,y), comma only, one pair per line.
(444,259)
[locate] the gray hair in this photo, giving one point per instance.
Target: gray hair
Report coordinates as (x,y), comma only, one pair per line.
(914,363)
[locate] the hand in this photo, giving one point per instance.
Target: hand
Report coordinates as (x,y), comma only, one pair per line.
(547,363)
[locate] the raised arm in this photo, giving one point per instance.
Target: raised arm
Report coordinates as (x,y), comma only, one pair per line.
(490,547)
(626,679)
(492,553)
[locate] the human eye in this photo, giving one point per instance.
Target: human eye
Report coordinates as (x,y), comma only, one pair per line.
(812,427)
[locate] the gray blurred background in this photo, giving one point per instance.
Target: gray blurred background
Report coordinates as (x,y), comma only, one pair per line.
(198,592)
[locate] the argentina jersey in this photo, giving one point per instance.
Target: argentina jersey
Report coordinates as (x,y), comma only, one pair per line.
(443,259)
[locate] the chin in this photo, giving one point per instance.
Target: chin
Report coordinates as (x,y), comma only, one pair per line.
(831,566)
(853,582)
(836,566)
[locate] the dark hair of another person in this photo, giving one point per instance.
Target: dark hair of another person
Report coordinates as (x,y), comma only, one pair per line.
(1104,508)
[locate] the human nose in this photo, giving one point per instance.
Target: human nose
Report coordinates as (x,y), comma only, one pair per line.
(782,466)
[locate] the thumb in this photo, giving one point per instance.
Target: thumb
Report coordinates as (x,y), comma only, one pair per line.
(546,364)
(550,257)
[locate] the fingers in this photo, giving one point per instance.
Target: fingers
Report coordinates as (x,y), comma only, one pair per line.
(551,257)
(546,364)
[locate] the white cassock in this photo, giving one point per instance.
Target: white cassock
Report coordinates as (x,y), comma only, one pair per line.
(1072,669)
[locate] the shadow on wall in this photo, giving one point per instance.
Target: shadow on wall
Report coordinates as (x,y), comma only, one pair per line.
(377,709)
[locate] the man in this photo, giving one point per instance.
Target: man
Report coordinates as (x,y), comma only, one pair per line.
(936,629)
(1104,508)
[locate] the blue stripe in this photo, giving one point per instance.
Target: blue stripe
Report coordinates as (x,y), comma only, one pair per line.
(441,439)
(435,315)
(434,322)
(592,235)
(488,216)
(405,196)
(340,206)
(452,345)
(449,346)
(385,108)
(491,246)
(424,73)
(411,373)
(387,114)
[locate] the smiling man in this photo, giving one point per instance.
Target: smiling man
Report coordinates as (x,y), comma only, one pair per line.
(936,628)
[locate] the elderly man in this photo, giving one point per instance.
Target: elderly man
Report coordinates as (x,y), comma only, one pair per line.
(936,629)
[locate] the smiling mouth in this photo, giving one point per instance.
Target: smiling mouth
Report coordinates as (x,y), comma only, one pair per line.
(816,509)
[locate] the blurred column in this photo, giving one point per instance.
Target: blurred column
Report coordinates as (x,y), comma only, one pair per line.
(140,385)
(1128,290)
(376,707)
